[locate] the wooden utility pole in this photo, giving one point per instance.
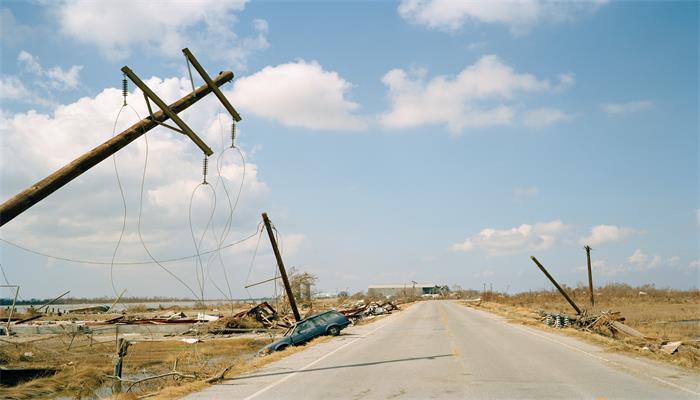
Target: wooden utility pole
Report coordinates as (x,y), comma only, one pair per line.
(590,274)
(40,190)
(280,264)
(122,349)
(551,279)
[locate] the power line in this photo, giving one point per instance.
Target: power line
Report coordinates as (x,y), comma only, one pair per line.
(95,262)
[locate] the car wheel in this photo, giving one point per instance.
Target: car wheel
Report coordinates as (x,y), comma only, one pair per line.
(334,331)
(281,347)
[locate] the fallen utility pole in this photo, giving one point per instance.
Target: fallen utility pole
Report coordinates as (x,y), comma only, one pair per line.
(590,274)
(563,293)
(280,264)
(40,190)
(52,301)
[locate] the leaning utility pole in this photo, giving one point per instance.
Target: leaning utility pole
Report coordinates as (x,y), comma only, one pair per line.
(40,190)
(590,274)
(554,282)
(280,264)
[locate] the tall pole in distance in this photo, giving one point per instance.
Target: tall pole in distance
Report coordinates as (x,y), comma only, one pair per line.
(280,264)
(590,274)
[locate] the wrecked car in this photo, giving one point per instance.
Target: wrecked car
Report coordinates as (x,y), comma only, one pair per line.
(325,323)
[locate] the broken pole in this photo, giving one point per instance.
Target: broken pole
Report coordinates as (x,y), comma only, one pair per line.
(122,349)
(563,293)
(40,190)
(280,264)
(590,274)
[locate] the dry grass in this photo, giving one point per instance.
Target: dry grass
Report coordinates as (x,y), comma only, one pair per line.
(656,314)
(83,369)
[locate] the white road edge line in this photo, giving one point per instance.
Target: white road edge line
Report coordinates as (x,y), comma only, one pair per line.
(606,360)
(311,364)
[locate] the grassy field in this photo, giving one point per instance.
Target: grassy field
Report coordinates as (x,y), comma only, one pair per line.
(663,314)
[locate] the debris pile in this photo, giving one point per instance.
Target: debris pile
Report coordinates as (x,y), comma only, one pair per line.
(610,323)
(260,316)
(360,310)
(173,318)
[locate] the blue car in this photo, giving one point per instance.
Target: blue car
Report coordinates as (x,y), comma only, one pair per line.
(325,323)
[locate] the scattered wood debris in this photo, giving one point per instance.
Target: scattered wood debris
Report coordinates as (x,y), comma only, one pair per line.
(360,310)
(609,323)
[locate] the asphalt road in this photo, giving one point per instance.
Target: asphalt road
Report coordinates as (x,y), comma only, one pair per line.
(443,350)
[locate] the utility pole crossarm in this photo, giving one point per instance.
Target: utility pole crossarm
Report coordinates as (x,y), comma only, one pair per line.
(40,190)
(214,88)
(164,107)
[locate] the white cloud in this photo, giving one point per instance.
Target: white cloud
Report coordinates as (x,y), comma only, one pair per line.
(541,117)
(526,192)
(642,262)
(68,79)
(473,98)
(623,108)
(118,28)
(695,264)
(30,63)
(12,89)
(638,262)
(84,218)
(299,94)
(608,233)
(537,237)
(638,258)
(12,32)
(58,77)
(519,16)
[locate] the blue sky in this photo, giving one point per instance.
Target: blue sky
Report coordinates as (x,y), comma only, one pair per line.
(389,141)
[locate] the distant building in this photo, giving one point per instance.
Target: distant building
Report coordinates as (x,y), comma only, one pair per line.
(405,289)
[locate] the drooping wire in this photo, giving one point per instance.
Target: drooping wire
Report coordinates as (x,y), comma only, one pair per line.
(143,262)
(121,192)
(232,207)
(252,262)
(199,266)
(138,225)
